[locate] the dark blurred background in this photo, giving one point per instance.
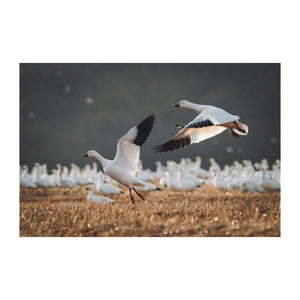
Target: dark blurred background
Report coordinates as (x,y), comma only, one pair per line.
(68,109)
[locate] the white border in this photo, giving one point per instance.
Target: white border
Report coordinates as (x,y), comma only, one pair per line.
(157,31)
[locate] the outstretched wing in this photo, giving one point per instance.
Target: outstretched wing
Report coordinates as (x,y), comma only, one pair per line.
(128,147)
(197,130)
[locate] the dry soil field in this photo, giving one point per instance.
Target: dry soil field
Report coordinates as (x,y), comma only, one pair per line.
(66,213)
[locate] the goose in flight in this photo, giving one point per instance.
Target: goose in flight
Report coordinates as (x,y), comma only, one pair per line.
(125,164)
(210,122)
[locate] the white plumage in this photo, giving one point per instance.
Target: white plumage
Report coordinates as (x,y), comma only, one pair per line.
(185,175)
(97,199)
(125,164)
(268,183)
(106,188)
(210,122)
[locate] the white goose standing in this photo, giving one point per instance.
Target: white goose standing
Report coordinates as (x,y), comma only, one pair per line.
(125,164)
(106,188)
(268,183)
(26,182)
(210,122)
(97,199)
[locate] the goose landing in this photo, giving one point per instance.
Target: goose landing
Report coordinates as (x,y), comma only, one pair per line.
(125,164)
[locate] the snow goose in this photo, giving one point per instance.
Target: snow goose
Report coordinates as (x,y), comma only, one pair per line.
(250,185)
(97,199)
(147,187)
(220,183)
(236,180)
(142,174)
(54,177)
(163,182)
(76,175)
(36,176)
(46,177)
(66,180)
(183,173)
(106,188)
(267,183)
(184,184)
(25,172)
(200,172)
(275,173)
(125,164)
(26,182)
(210,122)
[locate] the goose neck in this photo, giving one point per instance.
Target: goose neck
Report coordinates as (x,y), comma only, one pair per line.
(197,107)
(104,162)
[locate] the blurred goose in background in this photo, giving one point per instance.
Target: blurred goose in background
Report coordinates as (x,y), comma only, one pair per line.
(220,182)
(200,172)
(213,165)
(147,187)
(54,177)
(267,183)
(125,164)
(236,180)
(25,172)
(144,175)
(65,180)
(26,182)
(36,176)
(184,173)
(106,188)
(264,164)
(210,121)
(97,199)
(179,176)
(276,174)
(163,182)
(248,184)
(46,177)
(76,175)
(174,183)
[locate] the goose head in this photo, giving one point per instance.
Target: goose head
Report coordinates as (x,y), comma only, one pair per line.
(182,103)
(90,187)
(257,166)
(91,153)
(198,159)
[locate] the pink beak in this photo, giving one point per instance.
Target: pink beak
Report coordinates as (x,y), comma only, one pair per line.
(177,105)
(85,155)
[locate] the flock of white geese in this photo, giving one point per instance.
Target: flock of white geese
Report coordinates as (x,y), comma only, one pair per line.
(126,171)
(185,175)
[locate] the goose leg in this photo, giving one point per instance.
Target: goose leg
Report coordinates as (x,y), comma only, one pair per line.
(139,194)
(131,197)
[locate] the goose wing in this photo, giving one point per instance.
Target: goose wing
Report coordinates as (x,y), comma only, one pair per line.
(216,115)
(204,126)
(128,147)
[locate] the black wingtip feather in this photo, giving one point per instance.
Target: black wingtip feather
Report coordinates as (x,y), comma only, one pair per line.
(172,145)
(205,123)
(144,129)
(232,132)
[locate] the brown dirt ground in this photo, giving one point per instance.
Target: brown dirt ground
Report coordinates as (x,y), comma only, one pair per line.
(66,213)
